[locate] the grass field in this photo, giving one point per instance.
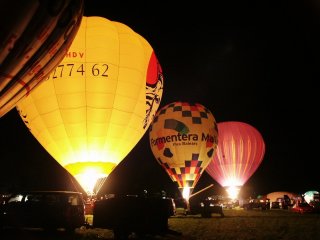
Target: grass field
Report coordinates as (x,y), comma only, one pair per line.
(245,225)
(236,225)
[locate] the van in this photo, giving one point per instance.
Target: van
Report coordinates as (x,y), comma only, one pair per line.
(43,209)
(140,214)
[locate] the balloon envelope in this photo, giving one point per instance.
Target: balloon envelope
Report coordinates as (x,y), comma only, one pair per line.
(98,102)
(183,138)
(34,38)
(240,151)
(309,196)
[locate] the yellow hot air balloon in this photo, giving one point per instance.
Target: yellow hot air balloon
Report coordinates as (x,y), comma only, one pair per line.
(98,103)
(183,138)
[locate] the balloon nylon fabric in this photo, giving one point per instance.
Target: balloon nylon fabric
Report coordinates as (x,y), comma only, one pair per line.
(240,152)
(33,41)
(99,101)
(183,138)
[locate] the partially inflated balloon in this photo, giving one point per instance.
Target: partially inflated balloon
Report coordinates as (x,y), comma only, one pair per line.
(311,195)
(183,138)
(240,151)
(34,38)
(98,102)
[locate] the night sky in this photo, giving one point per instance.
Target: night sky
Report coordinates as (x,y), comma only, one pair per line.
(250,61)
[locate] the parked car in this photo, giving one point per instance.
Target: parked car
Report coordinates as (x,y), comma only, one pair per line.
(302,207)
(139,214)
(207,207)
(275,205)
(4,198)
(258,203)
(49,210)
(282,203)
(210,206)
(181,206)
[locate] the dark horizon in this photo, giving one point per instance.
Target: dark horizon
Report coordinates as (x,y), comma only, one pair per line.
(252,62)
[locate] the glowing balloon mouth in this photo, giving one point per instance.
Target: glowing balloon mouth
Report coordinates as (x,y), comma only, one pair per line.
(233,191)
(186,193)
(89,180)
(90,175)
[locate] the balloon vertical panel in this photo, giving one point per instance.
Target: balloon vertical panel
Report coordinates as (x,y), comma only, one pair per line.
(95,106)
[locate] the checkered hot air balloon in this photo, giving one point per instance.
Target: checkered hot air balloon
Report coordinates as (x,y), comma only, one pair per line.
(183,138)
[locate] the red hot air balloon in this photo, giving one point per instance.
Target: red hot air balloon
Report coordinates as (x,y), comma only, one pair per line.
(240,151)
